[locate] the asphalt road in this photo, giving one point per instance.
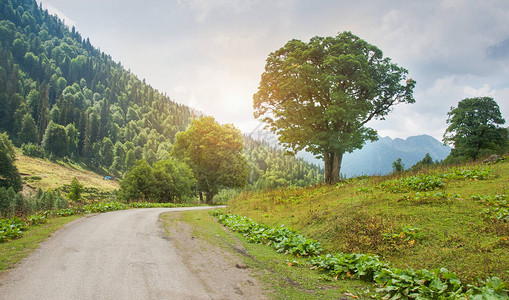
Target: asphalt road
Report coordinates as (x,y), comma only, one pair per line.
(114,255)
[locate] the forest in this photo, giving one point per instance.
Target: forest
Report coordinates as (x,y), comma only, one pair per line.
(63,99)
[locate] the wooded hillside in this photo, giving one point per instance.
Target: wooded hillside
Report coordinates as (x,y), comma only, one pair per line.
(62,97)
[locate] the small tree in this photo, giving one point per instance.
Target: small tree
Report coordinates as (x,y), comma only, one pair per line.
(474,129)
(75,190)
(138,183)
(398,166)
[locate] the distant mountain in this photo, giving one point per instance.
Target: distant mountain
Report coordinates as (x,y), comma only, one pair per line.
(377,157)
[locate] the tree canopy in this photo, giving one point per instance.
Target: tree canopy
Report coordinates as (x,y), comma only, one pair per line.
(319,96)
(474,129)
(214,153)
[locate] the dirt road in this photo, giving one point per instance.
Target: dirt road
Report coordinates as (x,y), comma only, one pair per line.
(115,255)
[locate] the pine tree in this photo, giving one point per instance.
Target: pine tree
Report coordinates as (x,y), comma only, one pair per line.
(28,132)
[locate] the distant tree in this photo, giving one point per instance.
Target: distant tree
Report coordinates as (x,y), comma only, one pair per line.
(72,139)
(55,140)
(9,175)
(426,161)
(150,156)
(130,159)
(214,153)
(119,158)
(138,183)
(19,49)
(76,189)
(398,166)
(28,132)
(474,129)
(107,153)
(319,96)
(54,114)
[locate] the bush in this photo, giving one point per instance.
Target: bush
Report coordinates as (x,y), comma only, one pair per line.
(11,229)
(32,150)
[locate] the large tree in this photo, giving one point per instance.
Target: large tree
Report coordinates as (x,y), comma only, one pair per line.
(474,128)
(319,96)
(214,153)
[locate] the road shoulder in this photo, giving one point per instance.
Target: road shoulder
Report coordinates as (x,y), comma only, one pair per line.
(213,255)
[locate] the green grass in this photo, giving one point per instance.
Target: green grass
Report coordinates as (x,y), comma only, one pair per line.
(45,174)
(12,252)
(287,277)
(354,216)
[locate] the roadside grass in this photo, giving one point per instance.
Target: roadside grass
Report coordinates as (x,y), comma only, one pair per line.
(286,276)
(14,251)
(354,216)
(44,174)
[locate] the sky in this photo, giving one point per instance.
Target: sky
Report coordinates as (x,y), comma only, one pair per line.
(210,54)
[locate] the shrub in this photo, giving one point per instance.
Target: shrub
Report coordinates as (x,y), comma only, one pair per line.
(32,150)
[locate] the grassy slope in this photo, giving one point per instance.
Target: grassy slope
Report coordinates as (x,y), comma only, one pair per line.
(54,175)
(354,217)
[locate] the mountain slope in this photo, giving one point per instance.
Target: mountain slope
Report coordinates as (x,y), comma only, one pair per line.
(56,88)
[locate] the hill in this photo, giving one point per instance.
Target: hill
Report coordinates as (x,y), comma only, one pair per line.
(376,158)
(44,174)
(450,217)
(61,93)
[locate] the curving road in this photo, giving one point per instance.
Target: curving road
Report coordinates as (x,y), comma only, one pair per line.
(114,255)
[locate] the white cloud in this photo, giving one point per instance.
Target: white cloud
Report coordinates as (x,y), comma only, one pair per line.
(484,91)
(203,9)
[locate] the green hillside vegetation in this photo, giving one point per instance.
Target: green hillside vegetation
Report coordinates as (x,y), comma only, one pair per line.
(60,97)
(270,167)
(451,217)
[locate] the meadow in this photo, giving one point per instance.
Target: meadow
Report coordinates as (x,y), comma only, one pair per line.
(443,217)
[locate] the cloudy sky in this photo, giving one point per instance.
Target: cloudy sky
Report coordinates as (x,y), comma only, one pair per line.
(209,54)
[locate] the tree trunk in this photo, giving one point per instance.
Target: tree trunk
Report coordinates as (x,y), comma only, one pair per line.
(328,167)
(208,197)
(336,167)
(201,197)
(332,166)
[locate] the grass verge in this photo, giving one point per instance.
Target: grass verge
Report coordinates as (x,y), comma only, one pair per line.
(285,276)
(12,252)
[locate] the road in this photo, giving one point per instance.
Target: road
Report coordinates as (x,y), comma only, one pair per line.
(114,255)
